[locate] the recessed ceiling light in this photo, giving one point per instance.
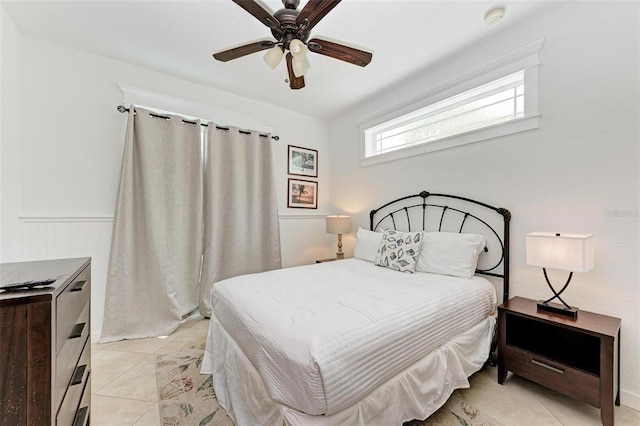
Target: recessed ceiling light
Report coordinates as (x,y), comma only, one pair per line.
(494,15)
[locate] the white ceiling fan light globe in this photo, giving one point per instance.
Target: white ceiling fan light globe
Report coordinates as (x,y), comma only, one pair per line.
(273,56)
(297,48)
(300,65)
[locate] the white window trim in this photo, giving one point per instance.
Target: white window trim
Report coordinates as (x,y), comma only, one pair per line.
(524,58)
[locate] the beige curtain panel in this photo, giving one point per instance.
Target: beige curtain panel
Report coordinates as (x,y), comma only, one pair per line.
(241,230)
(156,247)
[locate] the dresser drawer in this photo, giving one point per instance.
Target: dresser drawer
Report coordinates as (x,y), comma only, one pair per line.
(556,376)
(70,354)
(76,387)
(84,409)
(69,306)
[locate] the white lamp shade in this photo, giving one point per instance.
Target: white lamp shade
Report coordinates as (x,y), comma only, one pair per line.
(338,224)
(273,56)
(568,252)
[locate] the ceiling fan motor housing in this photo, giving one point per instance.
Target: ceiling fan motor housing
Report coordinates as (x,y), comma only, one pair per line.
(288,29)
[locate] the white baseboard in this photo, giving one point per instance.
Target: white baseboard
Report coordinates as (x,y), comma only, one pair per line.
(630,399)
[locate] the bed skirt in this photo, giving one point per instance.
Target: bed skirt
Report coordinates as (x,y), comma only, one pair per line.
(415,393)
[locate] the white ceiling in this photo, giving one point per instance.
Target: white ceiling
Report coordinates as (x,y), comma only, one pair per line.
(179,37)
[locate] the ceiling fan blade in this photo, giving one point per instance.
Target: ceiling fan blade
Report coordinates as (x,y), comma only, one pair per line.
(339,51)
(314,11)
(247,49)
(256,9)
(294,82)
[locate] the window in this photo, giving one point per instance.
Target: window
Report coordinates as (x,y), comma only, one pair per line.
(485,103)
(493,103)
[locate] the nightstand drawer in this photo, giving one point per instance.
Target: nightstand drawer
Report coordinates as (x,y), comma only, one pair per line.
(559,377)
(70,304)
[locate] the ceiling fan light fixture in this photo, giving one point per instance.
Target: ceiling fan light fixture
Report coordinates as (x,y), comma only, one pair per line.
(273,56)
(297,48)
(300,65)
(291,30)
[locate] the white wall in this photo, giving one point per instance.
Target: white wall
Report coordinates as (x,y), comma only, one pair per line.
(577,173)
(62,141)
(9,136)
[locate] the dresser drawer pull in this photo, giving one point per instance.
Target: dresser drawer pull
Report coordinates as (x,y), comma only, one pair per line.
(78,286)
(77,330)
(78,375)
(547,366)
(81,414)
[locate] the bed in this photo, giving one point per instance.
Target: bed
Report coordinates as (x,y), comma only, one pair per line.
(379,339)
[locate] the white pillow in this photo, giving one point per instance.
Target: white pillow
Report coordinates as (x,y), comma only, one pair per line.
(399,250)
(367,243)
(449,253)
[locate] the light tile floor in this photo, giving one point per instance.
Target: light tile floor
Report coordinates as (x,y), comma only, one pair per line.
(124,388)
(123,383)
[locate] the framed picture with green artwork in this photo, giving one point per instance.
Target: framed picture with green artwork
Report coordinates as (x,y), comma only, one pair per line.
(303,161)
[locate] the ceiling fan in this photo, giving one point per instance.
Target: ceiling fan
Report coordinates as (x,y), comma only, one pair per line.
(291,28)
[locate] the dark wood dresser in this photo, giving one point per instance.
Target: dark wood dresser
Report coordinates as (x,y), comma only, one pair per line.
(45,349)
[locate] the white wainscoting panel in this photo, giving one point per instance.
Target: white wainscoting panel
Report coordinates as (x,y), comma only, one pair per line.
(66,237)
(303,240)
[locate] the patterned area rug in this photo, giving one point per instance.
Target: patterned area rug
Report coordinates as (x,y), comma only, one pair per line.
(187,397)
(456,412)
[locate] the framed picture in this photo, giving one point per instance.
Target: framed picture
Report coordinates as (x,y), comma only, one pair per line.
(302,194)
(303,161)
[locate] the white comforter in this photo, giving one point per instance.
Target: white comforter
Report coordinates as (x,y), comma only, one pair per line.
(324,336)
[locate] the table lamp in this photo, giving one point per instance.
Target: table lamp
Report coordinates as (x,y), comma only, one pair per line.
(567,252)
(339,224)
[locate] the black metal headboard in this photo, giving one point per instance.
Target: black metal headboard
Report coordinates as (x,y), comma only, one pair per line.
(451,213)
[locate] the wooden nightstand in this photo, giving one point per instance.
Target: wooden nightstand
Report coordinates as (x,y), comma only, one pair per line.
(327,260)
(578,357)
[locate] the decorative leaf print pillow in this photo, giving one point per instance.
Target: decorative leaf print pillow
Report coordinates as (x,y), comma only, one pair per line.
(399,250)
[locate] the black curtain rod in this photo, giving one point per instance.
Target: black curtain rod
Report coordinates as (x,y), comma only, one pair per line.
(124,109)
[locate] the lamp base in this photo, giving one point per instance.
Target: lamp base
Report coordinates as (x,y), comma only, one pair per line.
(339,255)
(557,308)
